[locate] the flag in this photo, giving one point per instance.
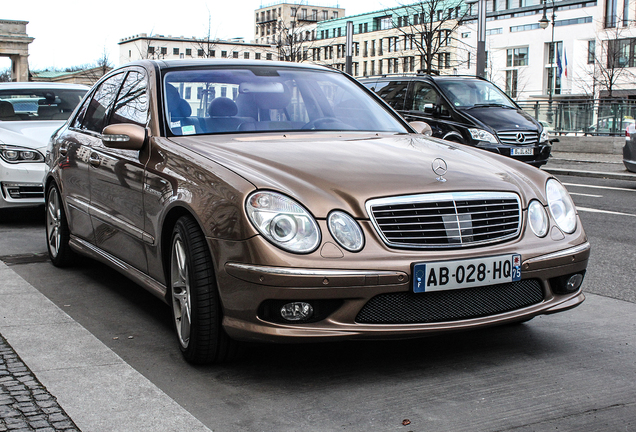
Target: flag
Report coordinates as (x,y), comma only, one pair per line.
(559,65)
(565,59)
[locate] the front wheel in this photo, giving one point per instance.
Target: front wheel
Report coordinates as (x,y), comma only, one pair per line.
(194,298)
(57,232)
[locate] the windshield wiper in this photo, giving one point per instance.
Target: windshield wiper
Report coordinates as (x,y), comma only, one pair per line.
(481,105)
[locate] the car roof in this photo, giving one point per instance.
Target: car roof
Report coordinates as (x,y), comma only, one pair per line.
(431,77)
(195,63)
(41,85)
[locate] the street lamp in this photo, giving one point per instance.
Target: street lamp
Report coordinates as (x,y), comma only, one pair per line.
(481,36)
(544,23)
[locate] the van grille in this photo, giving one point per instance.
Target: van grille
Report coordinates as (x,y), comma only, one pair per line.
(518,137)
(446,220)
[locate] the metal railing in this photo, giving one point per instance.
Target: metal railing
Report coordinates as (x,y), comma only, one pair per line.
(584,117)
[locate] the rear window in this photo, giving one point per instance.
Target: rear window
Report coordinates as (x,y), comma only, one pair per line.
(38,104)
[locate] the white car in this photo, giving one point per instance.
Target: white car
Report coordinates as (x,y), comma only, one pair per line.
(29,114)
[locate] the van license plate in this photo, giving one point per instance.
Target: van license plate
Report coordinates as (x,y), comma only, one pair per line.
(524,151)
(448,275)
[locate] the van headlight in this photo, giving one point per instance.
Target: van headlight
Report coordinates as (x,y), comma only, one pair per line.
(561,206)
(482,135)
(283,221)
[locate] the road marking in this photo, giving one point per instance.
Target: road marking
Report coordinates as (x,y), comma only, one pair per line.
(586,195)
(591,210)
(600,187)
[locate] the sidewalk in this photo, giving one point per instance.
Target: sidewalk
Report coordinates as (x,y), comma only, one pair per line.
(62,372)
(597,165)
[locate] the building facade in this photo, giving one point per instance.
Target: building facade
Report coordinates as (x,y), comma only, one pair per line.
(142,46)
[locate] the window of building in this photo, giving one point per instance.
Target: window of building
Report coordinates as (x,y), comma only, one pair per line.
(212,53)
(246,55)
(494,31)
(293,12)
(224,54)
(257,56)
(511,83)
(366,27)
(611,9)
(188,93)
(151,50)
(621,53)
(335,15)
(164,50)
(573,21)
(188,51)
(175,51)
(269,56)
(235,54)
(525,27)
(591,51)
(517,57)
(325,15)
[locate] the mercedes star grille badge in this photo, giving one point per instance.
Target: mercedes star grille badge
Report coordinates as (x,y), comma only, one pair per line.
(440,168)
(521,138)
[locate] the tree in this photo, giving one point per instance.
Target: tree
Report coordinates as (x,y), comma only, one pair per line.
(5,75)
(430,27)
(293,37)
(611,62)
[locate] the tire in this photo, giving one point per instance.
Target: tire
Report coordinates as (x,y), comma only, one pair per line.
(194,298)
(57,232)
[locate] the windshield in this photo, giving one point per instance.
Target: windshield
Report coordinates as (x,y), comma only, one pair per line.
(38,104)
(269,98)
(468,93)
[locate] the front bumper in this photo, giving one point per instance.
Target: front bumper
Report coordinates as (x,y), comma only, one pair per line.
(245,288)
(21,184)
(540,152)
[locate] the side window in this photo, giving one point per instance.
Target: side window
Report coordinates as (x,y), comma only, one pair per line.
(98,106)
(132,103)
(424,94)
(393,92)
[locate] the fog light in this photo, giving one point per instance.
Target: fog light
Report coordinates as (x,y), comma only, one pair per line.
(296,311)
(574,282)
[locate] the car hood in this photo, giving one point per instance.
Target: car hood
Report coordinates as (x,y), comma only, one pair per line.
(31,134)
(325,171)
(503,119)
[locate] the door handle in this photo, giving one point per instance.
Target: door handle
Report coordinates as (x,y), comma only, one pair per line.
(94,160)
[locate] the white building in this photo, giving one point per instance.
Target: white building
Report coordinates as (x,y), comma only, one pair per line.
(142,46)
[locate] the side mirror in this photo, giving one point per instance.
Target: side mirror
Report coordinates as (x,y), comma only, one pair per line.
(422,128)
(429,108)
(124,136)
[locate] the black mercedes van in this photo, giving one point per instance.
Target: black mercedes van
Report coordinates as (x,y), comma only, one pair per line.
(468,110)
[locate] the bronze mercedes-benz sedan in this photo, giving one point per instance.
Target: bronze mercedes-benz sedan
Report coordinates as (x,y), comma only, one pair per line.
(279,202)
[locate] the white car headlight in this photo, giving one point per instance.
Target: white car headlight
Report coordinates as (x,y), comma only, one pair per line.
(346,231)
(537,218)
(16,154)
(482,135)
(283,221)
(544,135)
(561,206)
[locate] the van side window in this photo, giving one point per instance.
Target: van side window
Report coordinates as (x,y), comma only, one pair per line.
(423,94)
(393,92)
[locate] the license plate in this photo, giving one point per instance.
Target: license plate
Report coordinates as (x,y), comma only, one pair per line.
(523,151)
(448,275)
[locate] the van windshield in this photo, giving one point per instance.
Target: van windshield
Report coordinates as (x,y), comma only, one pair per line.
(474,93)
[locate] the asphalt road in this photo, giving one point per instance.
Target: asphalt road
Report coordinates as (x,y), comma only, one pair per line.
(571,371)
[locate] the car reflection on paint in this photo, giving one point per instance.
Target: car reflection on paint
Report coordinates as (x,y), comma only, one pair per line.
(279,202)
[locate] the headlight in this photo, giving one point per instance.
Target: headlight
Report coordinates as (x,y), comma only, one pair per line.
(14,154)
(346,231)
(283,221)
(482,135)
(544,135)
(537,218)
(561,206)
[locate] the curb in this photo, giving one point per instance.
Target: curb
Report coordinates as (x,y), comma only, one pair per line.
(593,174)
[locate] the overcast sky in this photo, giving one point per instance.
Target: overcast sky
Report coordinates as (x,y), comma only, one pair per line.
(70,33)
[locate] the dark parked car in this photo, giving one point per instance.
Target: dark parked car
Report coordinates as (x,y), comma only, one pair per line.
(467,110)
(281,202)
(629,150)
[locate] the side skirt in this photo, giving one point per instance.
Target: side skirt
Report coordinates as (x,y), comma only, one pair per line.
(85,248)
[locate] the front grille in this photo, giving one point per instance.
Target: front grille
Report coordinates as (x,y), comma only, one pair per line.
(518,137)
(446,220)
(453,305)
